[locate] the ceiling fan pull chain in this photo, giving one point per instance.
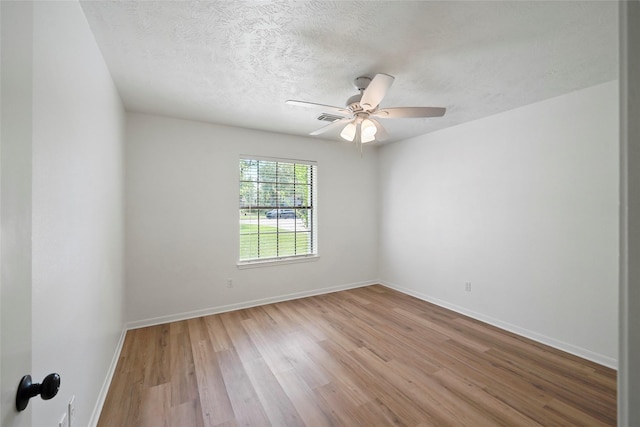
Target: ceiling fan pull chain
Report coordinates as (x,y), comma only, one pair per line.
(358,138)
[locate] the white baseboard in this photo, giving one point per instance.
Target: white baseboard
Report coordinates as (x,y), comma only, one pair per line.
(560,345)
(246,304)
(97,409)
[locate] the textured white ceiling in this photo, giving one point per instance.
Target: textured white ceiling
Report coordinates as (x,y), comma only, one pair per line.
(236,62)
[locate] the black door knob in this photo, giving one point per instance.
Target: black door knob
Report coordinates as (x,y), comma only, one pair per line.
(26,390)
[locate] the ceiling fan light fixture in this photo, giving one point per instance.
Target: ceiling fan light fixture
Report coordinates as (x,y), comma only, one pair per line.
(349,132)
(368,130)
(366,138)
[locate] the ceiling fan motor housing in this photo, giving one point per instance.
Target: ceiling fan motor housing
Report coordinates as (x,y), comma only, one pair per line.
(353,103)
(360,83)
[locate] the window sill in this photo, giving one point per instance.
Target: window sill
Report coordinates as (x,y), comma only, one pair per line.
(276,261)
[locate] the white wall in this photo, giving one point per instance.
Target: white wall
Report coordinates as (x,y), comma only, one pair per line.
(78,214)
(182,218)
(524,205)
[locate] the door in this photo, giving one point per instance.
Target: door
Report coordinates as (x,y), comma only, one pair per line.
(15,205)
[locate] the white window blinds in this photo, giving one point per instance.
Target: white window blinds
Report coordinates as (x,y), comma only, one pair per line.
(277,209)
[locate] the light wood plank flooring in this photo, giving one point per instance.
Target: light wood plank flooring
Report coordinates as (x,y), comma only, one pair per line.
(363,357)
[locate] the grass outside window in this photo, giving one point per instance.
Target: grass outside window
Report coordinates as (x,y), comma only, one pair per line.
(270,243)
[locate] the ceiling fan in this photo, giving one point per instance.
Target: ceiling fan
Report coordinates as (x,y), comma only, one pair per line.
(359,117)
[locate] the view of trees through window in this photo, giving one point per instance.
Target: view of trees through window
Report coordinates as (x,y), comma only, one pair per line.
(276,209)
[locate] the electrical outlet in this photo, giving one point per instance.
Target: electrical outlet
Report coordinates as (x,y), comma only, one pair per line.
(63,420)
(467,286)
(229,283)
(71,411)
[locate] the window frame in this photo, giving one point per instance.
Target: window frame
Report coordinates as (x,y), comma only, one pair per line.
(311,206)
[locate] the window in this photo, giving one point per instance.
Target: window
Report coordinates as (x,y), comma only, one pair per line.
(277,209)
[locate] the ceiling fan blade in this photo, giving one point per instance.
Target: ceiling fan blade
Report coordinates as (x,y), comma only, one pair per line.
(409,112)
(306,104)
(331,126)
(381,134)
(376,90)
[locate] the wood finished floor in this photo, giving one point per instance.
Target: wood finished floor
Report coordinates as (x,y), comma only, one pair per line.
(363,357)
